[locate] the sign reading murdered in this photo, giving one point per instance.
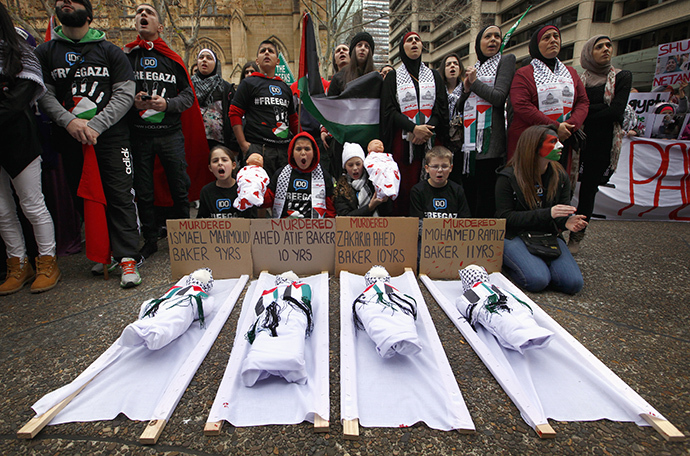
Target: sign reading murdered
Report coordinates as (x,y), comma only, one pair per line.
(452,244)
(304,246)
(362,242)
(222,245)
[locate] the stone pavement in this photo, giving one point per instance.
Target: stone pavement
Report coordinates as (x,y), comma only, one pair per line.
(633,314)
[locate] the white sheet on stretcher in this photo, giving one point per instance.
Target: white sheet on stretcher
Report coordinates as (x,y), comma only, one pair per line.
(274,400)
(402,390)
(141,383)
(563,381)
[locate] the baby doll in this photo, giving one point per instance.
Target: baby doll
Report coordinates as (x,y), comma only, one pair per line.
(277,336)
(387,315)
(500,312)
(383,170)
(165,319)
(252,182)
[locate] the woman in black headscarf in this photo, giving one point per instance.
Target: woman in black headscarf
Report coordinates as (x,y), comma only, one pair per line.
(414,114)
(214,94)
(546,92)
(486,88)
(607,89)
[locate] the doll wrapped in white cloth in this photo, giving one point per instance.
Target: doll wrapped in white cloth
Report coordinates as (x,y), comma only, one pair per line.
(252,182)
(501,313)
(165,319)
(277,336)
(387,315)
(383,170)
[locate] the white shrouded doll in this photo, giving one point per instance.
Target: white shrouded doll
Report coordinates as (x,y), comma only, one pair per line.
(165,319)
(278,335)
(387,315)
(252,182)
(500,312)
(383,170)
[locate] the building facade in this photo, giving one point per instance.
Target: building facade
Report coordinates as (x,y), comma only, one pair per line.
(636,28)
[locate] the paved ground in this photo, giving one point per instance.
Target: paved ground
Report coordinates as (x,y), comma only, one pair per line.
(633,314)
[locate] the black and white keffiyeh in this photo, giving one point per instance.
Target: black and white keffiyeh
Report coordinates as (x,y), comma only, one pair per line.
(318,192)
(31,70)
(418,110)
(555,89)
(205,88)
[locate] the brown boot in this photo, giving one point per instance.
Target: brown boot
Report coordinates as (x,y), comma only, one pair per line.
(47,274)
(19,272)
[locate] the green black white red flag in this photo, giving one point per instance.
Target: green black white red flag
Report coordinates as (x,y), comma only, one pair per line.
(352,116)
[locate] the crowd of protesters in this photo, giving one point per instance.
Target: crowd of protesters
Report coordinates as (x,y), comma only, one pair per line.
(129,126)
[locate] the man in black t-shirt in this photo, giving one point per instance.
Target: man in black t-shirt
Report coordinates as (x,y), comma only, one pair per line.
(163,92)
(90,89)
(266,103)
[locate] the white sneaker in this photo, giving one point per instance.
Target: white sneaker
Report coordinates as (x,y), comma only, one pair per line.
(130,273)
(97,268)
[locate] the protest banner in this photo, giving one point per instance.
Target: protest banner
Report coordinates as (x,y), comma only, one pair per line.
(452,244)
(672,63)
(643,103)
(305,246)
(362,242)
(652,182)
(283,70)
(221,244)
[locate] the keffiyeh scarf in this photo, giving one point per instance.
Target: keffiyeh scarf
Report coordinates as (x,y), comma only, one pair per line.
(417,111)
(318,192)
(555,90)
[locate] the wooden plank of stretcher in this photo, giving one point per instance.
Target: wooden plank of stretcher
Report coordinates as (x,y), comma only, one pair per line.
(351,429)
(664,427)
(152,432)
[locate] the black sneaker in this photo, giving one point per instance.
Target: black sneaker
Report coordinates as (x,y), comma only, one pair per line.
(149,248)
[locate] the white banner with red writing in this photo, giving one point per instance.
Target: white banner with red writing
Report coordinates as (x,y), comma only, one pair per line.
(652,182)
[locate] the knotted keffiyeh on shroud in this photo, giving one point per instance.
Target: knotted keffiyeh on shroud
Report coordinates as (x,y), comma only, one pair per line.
(277,337)
(387,315)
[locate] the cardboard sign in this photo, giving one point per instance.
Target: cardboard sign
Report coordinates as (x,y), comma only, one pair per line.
(362,242)
(305,246)
(223,245)
(452,244)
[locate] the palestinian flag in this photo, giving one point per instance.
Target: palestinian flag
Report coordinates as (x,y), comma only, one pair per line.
(83,108)
(352,116)
(152,116)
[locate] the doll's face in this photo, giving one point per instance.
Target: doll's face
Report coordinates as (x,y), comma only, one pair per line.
(354,167)
(303,153)
(551,148)
(375,146)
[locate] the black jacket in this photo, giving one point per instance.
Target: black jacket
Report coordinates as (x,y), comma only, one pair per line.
(512,206)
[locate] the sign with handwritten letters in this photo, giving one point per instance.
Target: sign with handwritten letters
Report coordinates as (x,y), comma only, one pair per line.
(223,245)
(652,182)
(305,246)
(452,244)
(362,242)
(672,63)
(644,103)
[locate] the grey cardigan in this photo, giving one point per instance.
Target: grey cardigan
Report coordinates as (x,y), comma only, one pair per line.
(497,97)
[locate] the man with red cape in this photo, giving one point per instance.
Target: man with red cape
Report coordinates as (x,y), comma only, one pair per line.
(163,127)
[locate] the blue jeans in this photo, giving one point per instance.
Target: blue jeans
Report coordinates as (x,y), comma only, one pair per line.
(170,151)
(534,274)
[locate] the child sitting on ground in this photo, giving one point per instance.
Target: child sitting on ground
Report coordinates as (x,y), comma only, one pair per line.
(438,197)
(355,194)
(216,199)
(383,170)
(301,189)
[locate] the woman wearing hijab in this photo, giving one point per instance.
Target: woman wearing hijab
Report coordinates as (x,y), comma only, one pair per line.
(214,94)
(607,89)
(546,92)
(486,88)
(414,113)
(21,84)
